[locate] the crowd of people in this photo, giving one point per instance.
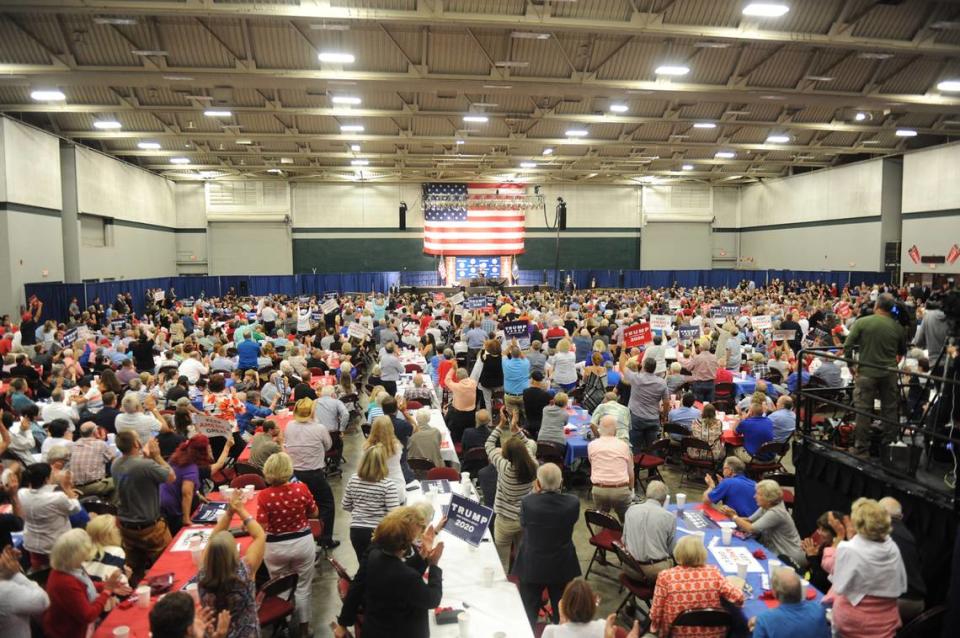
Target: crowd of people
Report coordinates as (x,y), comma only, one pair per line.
(110,405)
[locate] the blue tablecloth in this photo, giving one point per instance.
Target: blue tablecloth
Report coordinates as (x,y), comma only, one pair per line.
(576,443)
(753,605)
(745,386)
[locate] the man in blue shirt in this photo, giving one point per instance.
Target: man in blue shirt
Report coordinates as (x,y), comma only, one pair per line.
(792,383)
(736,490)
(516,378)
(756,430)
(795,617)
(685,415)
(248,351)
(784,420)
(251,401)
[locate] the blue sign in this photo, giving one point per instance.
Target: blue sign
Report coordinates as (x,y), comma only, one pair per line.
(471,267)
(519,330)
(474,303)
(688,332)
(467,520)
(69,337)
(729,309)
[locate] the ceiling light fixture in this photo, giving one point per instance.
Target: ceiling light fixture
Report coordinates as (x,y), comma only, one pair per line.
(820,78)
(480,119)
(548,151)
(577,132)
(351,128)
(150,52)
(346,99)
(860,116)
(178,78)
(208,174)
(949,85)
(704,125)
(336,57)
(874,55)
(711,45)
(179,160)
(906,132)
(47,95)
(765,9)
(778,139)
(107,124)
(243,142)
(275,171)
(619,108)
(498,86)
(459,142)
(149,146)
(945,25)
(486,105)
(359,162)
(117,21)
(724,155)
(286,160)
(217,113)
(355,148)
(329,27)
(529,35)
(687,167)
(528,164)
(672,70)
(511,64)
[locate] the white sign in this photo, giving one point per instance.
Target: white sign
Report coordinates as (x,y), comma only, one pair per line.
(211,426)
(674,304)
(358,331)
(762,322)
(159,296)
(456,299)
(328,306)
(727,558)
(661,322)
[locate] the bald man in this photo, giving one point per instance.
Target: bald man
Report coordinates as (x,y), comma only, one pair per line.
(611,469)
(88,462)
(547,557)
(911,604)
(794,617)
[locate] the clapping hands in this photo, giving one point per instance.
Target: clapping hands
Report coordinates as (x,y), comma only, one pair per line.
(214,625)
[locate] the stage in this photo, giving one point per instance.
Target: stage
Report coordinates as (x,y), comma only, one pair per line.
(472,291)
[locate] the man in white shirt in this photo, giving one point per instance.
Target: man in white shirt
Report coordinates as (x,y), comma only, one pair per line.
(57,409)
(146,426)
(193,368)
(269,317)
(58,430)
(20,597)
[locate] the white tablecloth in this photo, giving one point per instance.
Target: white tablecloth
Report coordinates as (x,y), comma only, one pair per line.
(490,609)
(406,381)
(447,451)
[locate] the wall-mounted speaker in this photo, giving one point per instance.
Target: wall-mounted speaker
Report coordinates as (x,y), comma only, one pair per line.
(403,216)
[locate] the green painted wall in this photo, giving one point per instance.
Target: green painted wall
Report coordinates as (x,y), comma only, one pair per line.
(336,254)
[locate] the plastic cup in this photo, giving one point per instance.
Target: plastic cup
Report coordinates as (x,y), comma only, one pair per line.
(773,565)
(803,589)
(143,596)
(463,623)
(121,632)
(742,570)
(681,500)
(488,576)
(726,535)
(465,477)
(666,503)
(248,489)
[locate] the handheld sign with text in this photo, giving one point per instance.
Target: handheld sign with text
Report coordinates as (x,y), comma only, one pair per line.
(674,304)
(440,487)
(761,322)
(637,335)
(69,337)
(119,324)
(476,303)
(688,332)
(518,330)
(729,309)
(439,296)
(467,520)
(159,295)
(784,335)
(211,426)
(661,322)
(456,299)
(358,331)
(330,295)
(328,306)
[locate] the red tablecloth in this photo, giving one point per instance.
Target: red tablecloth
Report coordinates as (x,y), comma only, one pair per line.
(318,381)
(731,438)
(138,618)
(281,420)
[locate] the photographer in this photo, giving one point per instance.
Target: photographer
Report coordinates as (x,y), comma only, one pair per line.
(880,339)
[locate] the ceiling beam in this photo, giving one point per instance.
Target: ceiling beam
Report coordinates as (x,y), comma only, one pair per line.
(436,15)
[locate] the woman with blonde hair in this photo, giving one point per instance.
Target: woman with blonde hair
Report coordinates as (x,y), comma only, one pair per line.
(108,553)
(225,581)
(369,495)
(381,432)
(773,523)
(562,366)
(378,395)
(283,509)
(75,600)
(867,573)
(345,384)
(692,584)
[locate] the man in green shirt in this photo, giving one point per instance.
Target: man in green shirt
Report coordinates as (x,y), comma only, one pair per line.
(880,339)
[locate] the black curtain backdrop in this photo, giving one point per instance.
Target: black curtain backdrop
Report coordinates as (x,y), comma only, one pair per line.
(828,480)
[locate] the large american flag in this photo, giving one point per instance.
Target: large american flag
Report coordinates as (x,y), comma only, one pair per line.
(473,219)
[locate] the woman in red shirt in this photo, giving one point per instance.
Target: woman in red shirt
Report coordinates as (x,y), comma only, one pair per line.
(75,600)
(283,510)
(692,584)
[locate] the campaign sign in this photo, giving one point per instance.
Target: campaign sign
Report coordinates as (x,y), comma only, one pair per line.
(69,337)
(440,487)
(661,322)
(730,309)
(439,296)
(637,334)
(688,332)
(761,322)
(674,304)
(330,295)
(519,330)
(328,306)
(119,324)
(211,426)
(358,331)
(457,298)
(474,303)
(159,295)
(784,335)
(467,520)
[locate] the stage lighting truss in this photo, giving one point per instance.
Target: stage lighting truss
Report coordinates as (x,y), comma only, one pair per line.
(489,202)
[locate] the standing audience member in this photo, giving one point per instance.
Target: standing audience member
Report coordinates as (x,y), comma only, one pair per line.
(20,598)
(369,495)
(611,469)
(911,604)
(554,420)
(46,511)
(307,442)
(649,402)
(463,401)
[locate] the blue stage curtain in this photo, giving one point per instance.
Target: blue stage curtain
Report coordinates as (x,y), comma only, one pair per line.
(193,287)
(56,298)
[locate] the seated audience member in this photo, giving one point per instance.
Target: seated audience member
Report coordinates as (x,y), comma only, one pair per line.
(612,406)
(774,524)
(389,588)
(58,430)
(830,373)
(57,408)
(108,555)
(814,546)
(46,511)
(685,415)
(692,584)
(536,397)
(649,534)
(170,439)
(911,604)
(19,401)
(89,458)
(253,412)
(578,606)
(176,616)
(537,359)
(759,396)
(418,391)
(784,419)
(225,581)
(793,381)
(867,573)
(555,417)
(26,436)
(146,426)
(611,469)
(735,490)
(425,442)
(794,617)
(76,602)
(758,366)
(756,430)
(477,436)
(106,417)
(265,443)
(707,428)
(20,598)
